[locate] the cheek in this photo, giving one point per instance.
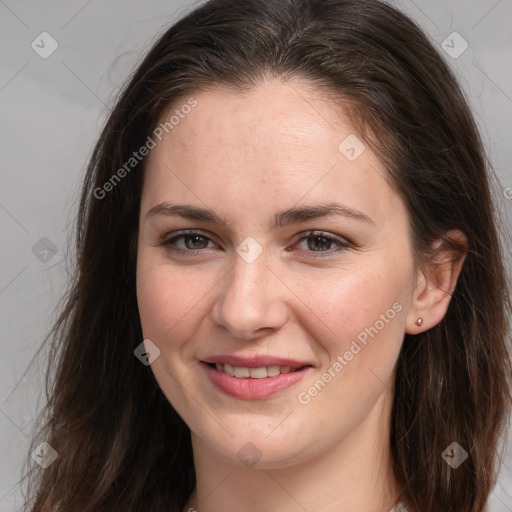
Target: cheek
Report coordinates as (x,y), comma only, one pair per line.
(171,300)
(358,330)
(348,305)
(357,321)
(174,304)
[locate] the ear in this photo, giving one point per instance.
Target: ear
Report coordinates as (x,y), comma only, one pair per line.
(436,282)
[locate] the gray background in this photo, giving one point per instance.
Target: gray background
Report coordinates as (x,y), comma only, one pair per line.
(51,113)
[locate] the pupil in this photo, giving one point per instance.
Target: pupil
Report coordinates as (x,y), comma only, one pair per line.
(324,245)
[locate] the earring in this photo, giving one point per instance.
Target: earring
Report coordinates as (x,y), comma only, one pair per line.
(419,321)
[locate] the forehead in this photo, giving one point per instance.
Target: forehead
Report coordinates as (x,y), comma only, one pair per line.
(269,116)
(278,143)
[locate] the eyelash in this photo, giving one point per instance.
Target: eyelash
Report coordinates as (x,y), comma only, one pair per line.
(342,244)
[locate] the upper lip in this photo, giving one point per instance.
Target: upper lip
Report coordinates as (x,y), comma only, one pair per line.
(255,361)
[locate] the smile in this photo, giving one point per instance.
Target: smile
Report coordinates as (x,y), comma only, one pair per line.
(254,382)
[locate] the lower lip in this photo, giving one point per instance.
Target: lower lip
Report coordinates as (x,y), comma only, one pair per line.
(253,389)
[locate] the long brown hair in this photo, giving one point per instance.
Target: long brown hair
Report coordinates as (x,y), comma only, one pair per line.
(120,444)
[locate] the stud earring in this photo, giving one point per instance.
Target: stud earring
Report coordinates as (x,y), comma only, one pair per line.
(419,321)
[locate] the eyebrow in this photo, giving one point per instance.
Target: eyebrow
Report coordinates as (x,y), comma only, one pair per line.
(282,218)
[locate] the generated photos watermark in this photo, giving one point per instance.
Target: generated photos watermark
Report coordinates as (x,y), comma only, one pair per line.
(137,156)
(305,397)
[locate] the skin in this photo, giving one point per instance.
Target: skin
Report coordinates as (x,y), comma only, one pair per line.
(247,156)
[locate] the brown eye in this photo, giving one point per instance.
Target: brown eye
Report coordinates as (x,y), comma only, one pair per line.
(195,241)
(322,243)
(187,243)
(319,243)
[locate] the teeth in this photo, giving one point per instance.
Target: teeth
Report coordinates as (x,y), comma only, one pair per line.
(258,373)
(239,371)
(272,371)
(254,373)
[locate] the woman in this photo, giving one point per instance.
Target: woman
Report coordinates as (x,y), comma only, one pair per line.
(290,293)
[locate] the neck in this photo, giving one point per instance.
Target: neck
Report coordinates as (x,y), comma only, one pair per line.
(355,474)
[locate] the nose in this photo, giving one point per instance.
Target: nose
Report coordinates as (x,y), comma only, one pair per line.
(252,301)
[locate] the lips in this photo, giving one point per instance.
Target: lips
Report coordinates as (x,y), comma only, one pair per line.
(257,377)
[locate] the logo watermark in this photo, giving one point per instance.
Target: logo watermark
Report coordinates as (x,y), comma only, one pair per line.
(454,455)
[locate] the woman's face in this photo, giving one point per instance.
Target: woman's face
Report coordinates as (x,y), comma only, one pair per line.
(254,275)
